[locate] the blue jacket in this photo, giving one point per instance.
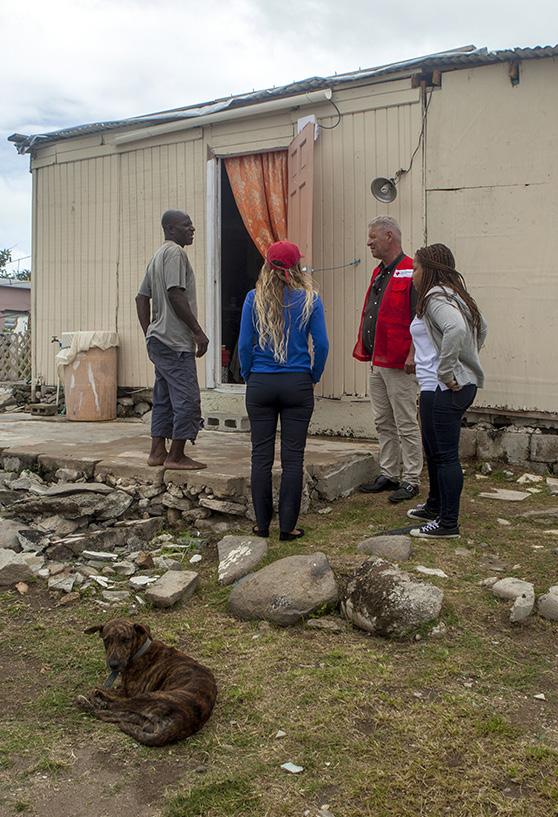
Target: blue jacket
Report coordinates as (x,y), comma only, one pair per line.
(255,359)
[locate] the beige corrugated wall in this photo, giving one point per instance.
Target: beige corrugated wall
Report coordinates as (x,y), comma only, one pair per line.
(97,219)
(492,196)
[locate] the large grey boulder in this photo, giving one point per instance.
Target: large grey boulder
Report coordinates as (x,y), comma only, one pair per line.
(384,600)
(238,556)
(286,591)
(172,587)
(14,567)
(392,548)
(548,604)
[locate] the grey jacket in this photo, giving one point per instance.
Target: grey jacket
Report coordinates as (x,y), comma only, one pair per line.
(456,341)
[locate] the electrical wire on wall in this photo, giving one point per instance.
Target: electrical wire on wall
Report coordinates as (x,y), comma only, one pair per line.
(401,171)
(330,127)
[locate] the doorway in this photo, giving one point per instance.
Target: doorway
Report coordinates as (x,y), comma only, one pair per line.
(240,265)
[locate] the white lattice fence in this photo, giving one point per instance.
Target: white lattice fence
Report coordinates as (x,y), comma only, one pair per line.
(15,356)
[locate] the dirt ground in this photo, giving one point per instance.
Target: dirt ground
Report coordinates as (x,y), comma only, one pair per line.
(432,727)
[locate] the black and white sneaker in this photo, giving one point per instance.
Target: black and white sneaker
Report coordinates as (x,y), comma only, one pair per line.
(420,511)
(433,530)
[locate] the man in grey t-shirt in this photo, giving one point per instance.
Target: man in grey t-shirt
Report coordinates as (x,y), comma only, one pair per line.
(167,312)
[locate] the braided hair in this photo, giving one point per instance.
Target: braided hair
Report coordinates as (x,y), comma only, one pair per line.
(438,269)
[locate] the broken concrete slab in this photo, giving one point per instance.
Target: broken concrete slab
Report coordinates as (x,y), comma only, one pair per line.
(221,485)
(9,530)
(522,607)
(129,533)
(129,469)
(505,495)
(238,556)
(115,596)
(62,583)
(172,587)
(49,464)
(70,507)
(393,548)
(341,477)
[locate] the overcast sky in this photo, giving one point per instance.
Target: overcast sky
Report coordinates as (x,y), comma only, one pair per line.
(66,62)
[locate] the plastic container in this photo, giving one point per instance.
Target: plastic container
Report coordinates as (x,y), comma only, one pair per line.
(88,365)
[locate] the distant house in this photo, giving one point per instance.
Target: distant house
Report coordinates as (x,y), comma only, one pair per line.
(471,137)
(15,304)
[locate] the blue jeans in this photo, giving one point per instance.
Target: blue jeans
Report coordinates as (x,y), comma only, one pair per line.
(441,413)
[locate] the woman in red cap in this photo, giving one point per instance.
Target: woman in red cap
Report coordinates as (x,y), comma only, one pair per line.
(277,318)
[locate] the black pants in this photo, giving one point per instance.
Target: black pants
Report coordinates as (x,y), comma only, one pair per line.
(290,396)
(441,413)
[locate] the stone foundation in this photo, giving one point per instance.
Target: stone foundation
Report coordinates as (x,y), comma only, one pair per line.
(534,449)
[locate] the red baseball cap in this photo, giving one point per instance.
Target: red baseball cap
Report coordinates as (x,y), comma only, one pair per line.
(283,255)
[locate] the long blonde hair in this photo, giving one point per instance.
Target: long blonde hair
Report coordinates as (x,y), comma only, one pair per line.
(269,306)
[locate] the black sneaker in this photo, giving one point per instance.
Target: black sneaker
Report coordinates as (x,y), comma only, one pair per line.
(381,483)
(404,493)
(422,512)
(433,530)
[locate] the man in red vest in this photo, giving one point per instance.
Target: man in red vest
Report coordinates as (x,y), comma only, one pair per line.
(384,339)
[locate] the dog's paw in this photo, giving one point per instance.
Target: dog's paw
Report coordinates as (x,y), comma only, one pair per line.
(82,702)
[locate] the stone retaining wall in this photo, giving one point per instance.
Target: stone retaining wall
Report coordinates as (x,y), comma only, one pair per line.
(531,448)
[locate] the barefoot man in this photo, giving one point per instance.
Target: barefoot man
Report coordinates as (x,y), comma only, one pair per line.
(166,306)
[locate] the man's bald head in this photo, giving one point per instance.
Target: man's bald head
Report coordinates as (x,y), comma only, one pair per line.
(177,226)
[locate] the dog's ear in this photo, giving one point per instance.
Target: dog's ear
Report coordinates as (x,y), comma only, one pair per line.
(96,628)
(142,629)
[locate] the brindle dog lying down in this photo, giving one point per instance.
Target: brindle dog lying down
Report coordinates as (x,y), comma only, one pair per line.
(164,695)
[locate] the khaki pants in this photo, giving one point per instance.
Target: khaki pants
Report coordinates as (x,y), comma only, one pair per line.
(393,394)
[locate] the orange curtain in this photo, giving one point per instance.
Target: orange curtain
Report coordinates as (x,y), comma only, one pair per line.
(260,187)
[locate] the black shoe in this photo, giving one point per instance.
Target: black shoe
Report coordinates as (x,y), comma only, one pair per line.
(289,537)
(433,530)
(381,483)
(405,492)
(422,512)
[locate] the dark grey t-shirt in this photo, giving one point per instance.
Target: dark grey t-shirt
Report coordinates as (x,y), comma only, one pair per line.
(169,268)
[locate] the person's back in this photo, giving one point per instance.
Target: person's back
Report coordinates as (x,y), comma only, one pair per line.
(297,333)
(278,317)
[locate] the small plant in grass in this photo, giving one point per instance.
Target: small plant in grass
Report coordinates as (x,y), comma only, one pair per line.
(231,797)
(21,806)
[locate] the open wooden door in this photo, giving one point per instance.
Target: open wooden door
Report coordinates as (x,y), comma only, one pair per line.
(301,189)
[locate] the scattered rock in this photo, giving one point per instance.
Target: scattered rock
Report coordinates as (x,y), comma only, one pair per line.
(552,484)
(325,511)
(329,624)
(222,506)
(486,469)
(463,552)
(280,734)
(69,598)
(61,527)
(141,582)
(238,556)
(431,571)
(196,558)
(124,568)
(292,767)
(68,475)
(382,599)
(505,494)
(548,604)
(522,607)
(504,522)
(489,582)
(439,630)
(172,587)
(285,591)
(540,696)
(62,583)
(115,596)
(144,560)
(9,534)
(526,479)
(14,568)
(115,504)
(393,548)
(22,588)
(167,563)
(542,516)
(510,588)
(99,555)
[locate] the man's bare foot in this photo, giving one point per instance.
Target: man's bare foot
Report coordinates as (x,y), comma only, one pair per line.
(157,459)
(184,464)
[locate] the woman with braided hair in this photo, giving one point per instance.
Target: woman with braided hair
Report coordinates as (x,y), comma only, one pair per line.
(278,317)
(448,332)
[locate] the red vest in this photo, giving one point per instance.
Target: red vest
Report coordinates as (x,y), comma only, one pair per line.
(393,337)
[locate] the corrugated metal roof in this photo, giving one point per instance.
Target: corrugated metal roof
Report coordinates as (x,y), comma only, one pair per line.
(457,58)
